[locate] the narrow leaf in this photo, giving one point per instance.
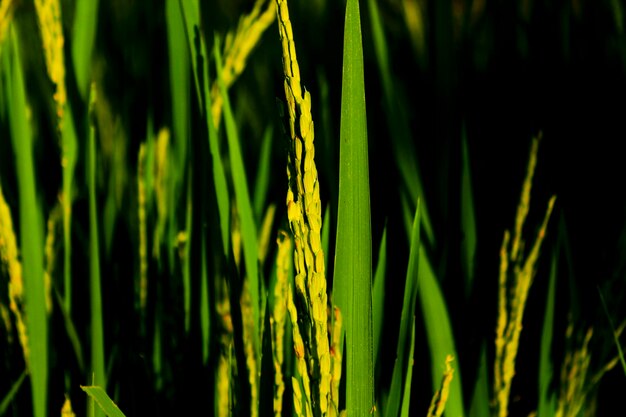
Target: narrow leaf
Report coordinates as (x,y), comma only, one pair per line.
(105,402)
(69,138)
(15,387)
(392,404)
(179,81)
(95,293)
(378,294)
(30,232)
(468,217)
(439,334)
(546,400)
(406,397)
(353,259)
(479,406)
(84,35)
(244,206)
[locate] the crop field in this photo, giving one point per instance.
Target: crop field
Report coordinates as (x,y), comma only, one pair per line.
(312,208)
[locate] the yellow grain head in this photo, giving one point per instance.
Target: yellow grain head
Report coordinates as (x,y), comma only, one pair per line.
(8,248)
(279,315)
(438,403)
(67,411)
(237,48)
(51,26)
(266,232)
(143,233)
(13,267)
(223,386)
(304,214)
(161,177)
(335,360)
(515,279)
(248,344)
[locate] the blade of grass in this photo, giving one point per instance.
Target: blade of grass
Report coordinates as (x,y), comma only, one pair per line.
(205,308)
(30,232)
(406,397)
(84,35)
(95,296)
(378,294)
(15,387)
(219,175)
(547,400)
(393,400)
(468,217)
(326,232)
(105,402)
(188,248)
(68,136)
(179,81)
(191,17)
(439,334)
(479,406)
(353,259)
(197,47)
(244,207)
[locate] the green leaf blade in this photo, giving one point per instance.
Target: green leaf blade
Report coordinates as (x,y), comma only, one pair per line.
(31,236)
(353,260)
(547,401)
(393,400)
(244,204)
(378,294)
(105,402)
(97,327)
(84,35)
(439,334)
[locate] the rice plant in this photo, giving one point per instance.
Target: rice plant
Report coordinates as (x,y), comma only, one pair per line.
(317,209)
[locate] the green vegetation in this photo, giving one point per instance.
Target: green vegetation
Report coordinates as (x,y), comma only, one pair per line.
(310,208)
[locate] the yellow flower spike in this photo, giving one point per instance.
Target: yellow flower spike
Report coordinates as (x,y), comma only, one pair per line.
(66,410)
(335,359)
(12,265)
(223,387)
(299,349)
(248,345)
(266,232)
(279,314)
(513,288)
(238,46)
(438,403)
(304,213)
(143,232)
(524,204)
(161,175)
(297,396)
(576,385)
(50,24)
